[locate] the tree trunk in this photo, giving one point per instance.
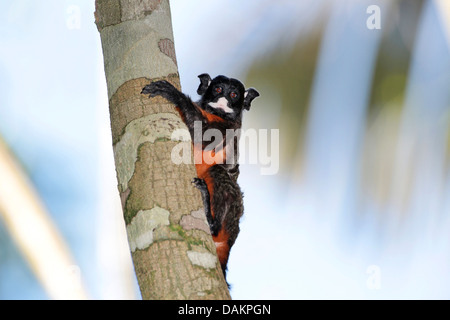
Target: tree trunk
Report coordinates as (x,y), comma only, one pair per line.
(173,253)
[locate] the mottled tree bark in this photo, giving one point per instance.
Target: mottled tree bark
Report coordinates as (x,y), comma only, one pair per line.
(173,253)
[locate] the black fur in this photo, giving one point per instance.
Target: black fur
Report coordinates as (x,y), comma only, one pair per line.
(226,201)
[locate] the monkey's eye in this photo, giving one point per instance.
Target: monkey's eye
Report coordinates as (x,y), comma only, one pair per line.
(219,89)
(233,95)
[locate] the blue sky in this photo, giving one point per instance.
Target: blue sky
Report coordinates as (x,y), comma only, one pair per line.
(54,115)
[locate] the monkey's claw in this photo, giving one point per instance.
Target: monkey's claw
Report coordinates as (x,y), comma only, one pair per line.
(147,90)
(199,183)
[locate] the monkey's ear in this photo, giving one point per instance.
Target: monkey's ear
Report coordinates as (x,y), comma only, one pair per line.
(249,95)
(205,80)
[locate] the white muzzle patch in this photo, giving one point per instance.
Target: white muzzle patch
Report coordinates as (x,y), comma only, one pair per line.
(222,104)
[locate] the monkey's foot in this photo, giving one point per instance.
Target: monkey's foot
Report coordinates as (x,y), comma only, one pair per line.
(199,184)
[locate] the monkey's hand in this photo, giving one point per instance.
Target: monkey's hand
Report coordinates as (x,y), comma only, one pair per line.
(160,88)
(184,104)
(166,90)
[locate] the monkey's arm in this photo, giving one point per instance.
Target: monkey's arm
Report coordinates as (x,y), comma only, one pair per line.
(166,90)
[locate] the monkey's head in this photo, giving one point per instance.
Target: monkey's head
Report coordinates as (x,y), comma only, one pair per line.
(225,97)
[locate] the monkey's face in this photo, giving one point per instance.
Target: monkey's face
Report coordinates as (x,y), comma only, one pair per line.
(224,97)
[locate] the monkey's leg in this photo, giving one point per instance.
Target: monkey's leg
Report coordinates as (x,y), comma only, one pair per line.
(227,207)
(213,223)
(226,202)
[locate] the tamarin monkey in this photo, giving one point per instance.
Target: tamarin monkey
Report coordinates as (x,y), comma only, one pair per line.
(220,107)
